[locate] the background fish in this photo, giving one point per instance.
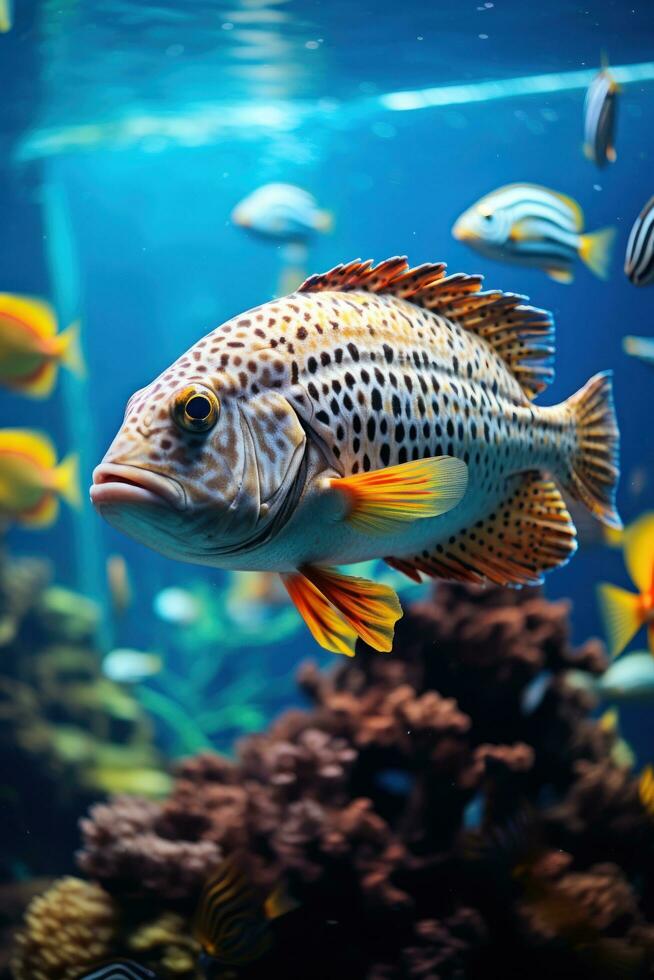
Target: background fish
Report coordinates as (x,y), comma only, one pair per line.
(630,678)
(31,481)
(600,114)
(527,224)
(344,423)
(130,666)
(640,347)
(120,587)
(639,258)
(282,212)
(30,348)
(626,612)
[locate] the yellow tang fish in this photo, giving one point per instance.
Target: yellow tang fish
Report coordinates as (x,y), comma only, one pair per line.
(30,479)
(376,412)
(30,348)
(626,612)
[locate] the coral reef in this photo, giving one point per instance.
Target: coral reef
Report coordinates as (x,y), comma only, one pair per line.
(67,734)
(426,824)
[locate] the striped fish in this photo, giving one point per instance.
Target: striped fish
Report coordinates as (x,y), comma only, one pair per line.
(231,923)
(120,970)
(600,112)
(639,260)
(527,224)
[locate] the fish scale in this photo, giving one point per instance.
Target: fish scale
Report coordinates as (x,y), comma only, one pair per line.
(379,411)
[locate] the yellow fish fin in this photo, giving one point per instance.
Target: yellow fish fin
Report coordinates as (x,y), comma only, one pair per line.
(646,790)
(381,500)
(609,722)
(623,616)
(594,465)
(280,902)
(34,314)
(36,446)
(327,627)
(520,231)
(531,533)
(39,384)
(66,480)
(337,608)
(70,349)
(639,553)
(565,276)
(613,537)
(43,515)
(596,250)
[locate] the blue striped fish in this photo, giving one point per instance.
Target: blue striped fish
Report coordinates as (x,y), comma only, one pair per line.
(639,259)
(527,224)
(600,112)
(120,970)
(232,923)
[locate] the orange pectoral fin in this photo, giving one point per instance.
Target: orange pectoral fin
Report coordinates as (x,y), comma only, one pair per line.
(383,499)
(327,627)
(623,616)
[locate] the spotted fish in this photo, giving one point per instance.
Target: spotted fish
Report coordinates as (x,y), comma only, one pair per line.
(379,411)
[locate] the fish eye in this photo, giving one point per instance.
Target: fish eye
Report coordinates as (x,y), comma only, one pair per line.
(195,408)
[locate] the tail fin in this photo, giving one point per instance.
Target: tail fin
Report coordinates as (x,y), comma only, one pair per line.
(623,616)
(596,250)
(67,480)
(71,351)
(594,472)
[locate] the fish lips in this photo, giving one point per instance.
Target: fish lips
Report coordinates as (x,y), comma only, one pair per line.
(128,485)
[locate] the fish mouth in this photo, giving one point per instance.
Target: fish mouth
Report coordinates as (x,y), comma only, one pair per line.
(127,484)
(461,232)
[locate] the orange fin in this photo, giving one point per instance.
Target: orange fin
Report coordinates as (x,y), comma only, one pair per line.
(646,790)
(381,500)
(337,608)
(327,627)
(594,471)
(623,616)
(530,533)
(639,553)
(521,335)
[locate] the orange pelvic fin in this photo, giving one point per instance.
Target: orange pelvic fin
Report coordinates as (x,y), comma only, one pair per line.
(382,500)
(339,608)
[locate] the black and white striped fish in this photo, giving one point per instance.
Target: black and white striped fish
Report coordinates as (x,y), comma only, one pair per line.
(232,922)
(639,260)
(530,225)
(600,114)
(120,970)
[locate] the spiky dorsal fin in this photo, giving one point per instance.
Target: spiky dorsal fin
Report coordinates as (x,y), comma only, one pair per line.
(521,335)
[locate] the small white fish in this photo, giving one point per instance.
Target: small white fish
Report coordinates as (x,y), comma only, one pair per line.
(530,225)
(535,691)
(628,679)
(282,212)
(177,606)
(600,113)
(130,666)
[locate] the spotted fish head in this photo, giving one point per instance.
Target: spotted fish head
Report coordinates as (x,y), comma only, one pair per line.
(200,467)
(483,226)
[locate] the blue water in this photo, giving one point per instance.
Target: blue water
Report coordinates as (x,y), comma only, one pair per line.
(130,130)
